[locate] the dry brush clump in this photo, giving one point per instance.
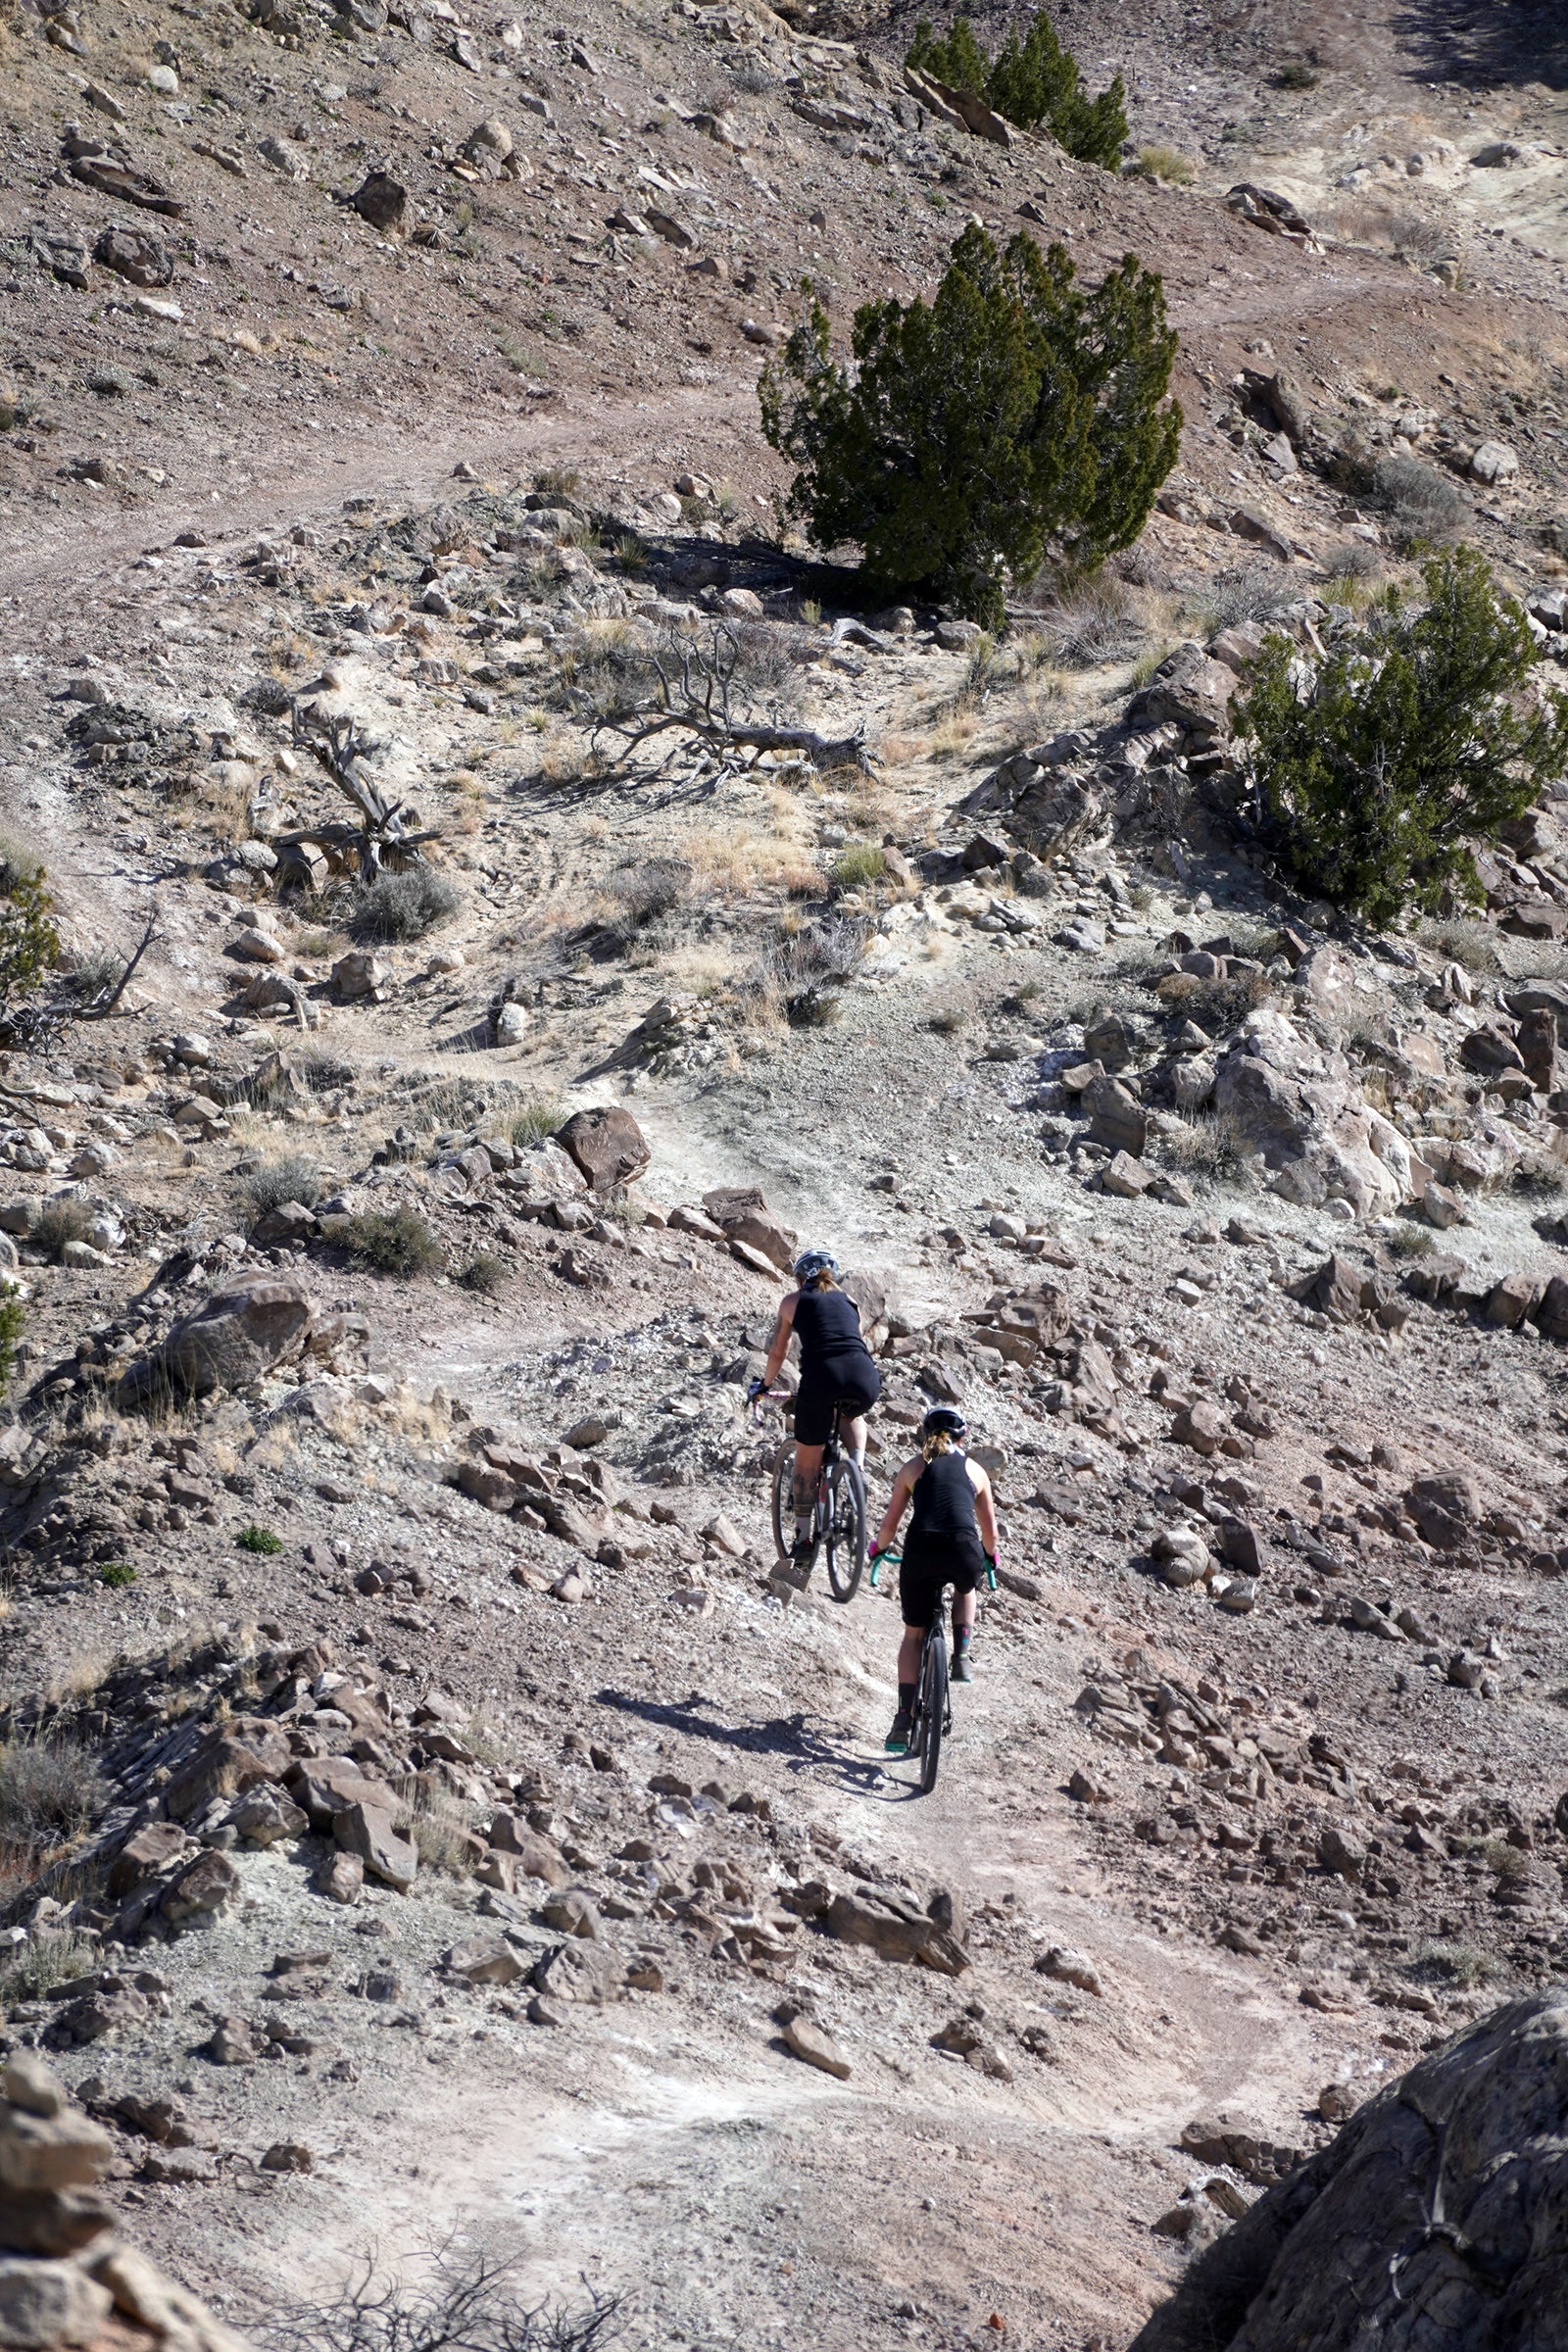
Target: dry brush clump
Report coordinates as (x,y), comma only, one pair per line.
(402,907)
(452,2298)
(293,1176)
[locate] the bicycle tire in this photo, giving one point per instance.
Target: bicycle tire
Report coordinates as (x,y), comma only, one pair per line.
(934,1709)
(784,1500)
(846,1529)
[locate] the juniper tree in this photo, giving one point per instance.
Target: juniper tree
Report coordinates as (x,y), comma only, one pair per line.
(1421,736)
(1016,416)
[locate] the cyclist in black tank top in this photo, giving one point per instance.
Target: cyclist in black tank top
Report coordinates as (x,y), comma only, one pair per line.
(838,1375)
(953,1533)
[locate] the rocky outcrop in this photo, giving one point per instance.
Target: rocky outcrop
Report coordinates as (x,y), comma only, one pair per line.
(65,2274)
(1438,2216)
(1298,1106)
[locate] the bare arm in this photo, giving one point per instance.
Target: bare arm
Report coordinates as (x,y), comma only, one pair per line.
(898,1502)
(779,1346)
(985,1507)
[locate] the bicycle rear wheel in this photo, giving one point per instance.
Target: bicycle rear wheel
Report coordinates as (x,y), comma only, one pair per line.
(846,1529)
(933,1706)
(784,1500)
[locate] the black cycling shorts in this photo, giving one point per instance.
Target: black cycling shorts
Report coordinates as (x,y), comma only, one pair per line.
(929,1563)
(855,1384)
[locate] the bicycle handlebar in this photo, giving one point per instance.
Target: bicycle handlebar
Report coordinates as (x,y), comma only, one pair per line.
(894,1553)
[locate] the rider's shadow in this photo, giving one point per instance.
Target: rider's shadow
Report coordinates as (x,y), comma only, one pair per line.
(802,1746)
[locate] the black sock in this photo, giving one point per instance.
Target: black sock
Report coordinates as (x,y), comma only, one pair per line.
(961,1635)
(906,1698)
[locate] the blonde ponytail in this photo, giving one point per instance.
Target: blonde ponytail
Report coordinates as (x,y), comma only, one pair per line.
(939,1441)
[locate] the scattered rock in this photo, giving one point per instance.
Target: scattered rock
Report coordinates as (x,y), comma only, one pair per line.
(817,2049)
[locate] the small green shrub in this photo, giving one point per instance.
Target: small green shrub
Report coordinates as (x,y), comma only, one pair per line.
(117,1574)
(1014,417)
(1411,1241)
(392,1240)
(534,1121)
(485,1273)
(857,863)
(949,1021)
(30,945)
(1296,75)
(403,906)
(1411,742)
(259,1539)
(13,1323)
(1030,81)
(557,481)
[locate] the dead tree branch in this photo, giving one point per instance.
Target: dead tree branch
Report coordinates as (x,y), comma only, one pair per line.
(693,696)
(334,742)
(102,1007)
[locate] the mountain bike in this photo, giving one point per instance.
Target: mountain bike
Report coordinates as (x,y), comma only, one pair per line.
(932,1694)
(838,1517)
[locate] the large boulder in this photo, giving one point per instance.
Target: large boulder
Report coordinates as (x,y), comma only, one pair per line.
(607,1145)
(1444,1509)
(1300,1107)
(240,1330)
(1437,2217)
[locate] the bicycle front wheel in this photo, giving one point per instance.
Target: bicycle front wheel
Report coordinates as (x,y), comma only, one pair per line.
(784,1500)
(933,1708)
(846,1529)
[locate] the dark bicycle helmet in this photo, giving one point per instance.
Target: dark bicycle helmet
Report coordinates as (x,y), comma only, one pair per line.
(813,1262)
(944,1420)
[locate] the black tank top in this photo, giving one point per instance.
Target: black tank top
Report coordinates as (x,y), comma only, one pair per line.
(827,1325)
(944,1498)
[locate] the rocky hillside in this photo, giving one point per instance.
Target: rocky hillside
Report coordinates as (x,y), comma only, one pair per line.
(433,1820)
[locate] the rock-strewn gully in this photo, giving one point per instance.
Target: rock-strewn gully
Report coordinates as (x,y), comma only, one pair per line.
(428,1813)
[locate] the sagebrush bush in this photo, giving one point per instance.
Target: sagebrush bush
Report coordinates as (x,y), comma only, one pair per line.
(392,1240)
(1029,81)
(403,906)
(62,1220)
(50,1791)
(294,1176)
(44,1962)
(94,973)
(1091,622)
(1409,743)
(1421,502)
(485,1273)
(1014,417)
